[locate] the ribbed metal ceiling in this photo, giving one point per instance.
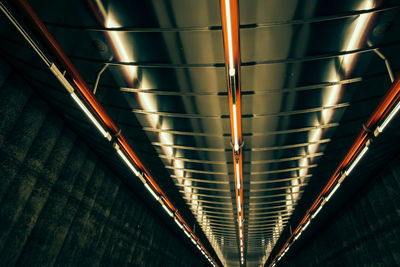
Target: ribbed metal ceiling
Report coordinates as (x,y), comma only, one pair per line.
(300,64)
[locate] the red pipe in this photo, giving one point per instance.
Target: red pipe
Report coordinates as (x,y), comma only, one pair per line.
(47,40)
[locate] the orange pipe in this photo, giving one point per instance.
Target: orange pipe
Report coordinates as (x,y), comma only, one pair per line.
(234,113)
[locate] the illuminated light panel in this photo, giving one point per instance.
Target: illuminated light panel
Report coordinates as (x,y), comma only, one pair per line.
(179,223)
(332,192)
(167,209)
(235,129)
(127,161)
(157,197)
(91,117)
(306,225)
(229,33)
(186,233)
(237,176)
(356,160)
(239,206)
(316,212)
(297,236)
(355,39)
(389,118)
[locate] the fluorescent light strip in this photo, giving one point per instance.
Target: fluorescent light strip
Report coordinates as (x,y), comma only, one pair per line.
(198,247)
(306,225)
(229,33)
(90,116)
(297,236)
(332,192)
(357,159)
(186,233)
(61,78)
(239,206)
(193,241)
(316,212)
(167,209)
(389,118)
(179,223)
(127,162)
(157,197)
(235,129)
(237,176)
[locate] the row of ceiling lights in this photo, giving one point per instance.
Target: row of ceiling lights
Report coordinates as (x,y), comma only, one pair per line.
(230,30)
(123,149)
(345,172)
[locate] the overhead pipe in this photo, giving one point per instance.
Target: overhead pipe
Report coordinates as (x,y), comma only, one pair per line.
(388,106)
(230,31)
(73,77)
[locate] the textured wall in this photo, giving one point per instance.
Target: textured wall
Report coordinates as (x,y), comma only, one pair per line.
(59,204)
(364,233)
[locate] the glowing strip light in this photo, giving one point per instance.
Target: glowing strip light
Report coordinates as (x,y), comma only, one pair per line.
(90,116)
(167,209)
(179,224)
(157,197)
(186,233)
(229,33)
(389,118)
(332,192)
(193,241)
(306,225)
(239,206)
(358,158)
(126,160)
(235,129)
(316,212)
(237,176)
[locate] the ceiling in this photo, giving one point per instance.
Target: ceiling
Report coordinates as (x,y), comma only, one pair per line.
(306,69)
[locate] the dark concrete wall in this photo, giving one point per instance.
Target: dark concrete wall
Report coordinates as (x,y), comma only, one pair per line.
(60,204)
(366,232)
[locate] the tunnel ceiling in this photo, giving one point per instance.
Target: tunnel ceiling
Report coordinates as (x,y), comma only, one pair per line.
(165,81)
